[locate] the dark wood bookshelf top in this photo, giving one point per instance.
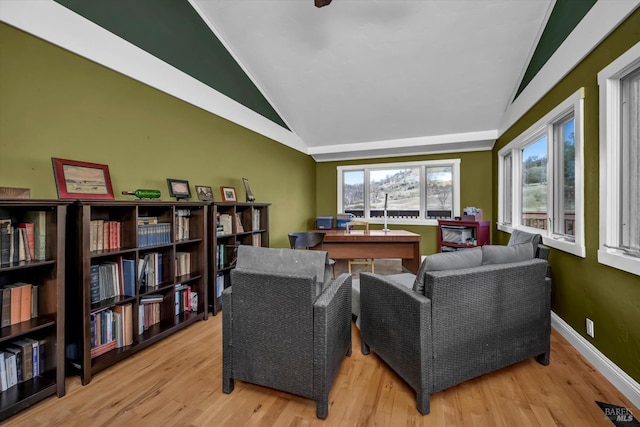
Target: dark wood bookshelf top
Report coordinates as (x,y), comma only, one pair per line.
(137,202)
(33,202)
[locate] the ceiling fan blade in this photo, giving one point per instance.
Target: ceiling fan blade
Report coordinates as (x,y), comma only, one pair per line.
(320,3)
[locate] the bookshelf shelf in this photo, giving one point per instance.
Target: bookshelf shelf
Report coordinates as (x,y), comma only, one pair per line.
(232,224)
(108,285)
(46,274)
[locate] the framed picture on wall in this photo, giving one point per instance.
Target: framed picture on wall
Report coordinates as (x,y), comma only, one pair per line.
(82,180)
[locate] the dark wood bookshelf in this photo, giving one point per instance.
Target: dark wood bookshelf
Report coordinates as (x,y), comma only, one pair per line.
(128,213)
(254,218)
(49,326)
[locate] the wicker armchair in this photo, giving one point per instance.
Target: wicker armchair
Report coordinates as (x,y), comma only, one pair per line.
(467,321)
(286,324)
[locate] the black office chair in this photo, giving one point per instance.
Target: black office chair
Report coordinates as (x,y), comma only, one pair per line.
(308,240)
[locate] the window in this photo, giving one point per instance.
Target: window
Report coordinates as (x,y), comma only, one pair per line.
(620,163)
(540,179)
(414,193)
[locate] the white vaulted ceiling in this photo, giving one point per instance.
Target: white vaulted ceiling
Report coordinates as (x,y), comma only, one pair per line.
(389,75)
(354,79)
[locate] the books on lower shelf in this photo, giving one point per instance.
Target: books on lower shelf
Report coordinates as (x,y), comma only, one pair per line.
(185,299)
(21,360)
(148,315)
(111,329)
(19,303)
(219,285)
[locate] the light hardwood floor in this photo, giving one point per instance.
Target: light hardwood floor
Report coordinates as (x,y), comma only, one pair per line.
(178,382)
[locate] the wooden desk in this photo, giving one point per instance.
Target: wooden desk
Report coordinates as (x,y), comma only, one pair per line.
(341,244)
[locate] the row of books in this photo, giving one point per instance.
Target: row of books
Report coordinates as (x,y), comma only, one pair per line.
(19,303)
(112,278)
(111,329)
(219,285)
(23,241)
(148,315)
(220,255)
(182,224)
(224,223)
(154,234)
(183,263)
(104,235)
(185,298)
(21,361)
(150,270)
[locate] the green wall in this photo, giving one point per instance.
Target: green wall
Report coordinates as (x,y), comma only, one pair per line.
(583,287)
(475,180)
(54,103)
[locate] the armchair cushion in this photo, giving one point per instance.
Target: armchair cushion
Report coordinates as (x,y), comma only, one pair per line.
(519,236)
(447,261)
(288,262)
(496,254)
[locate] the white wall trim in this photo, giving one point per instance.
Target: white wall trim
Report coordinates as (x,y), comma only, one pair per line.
(616,376)
(58,25)
(597,24)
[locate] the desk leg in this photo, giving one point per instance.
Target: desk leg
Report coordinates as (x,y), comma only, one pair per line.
(413,264)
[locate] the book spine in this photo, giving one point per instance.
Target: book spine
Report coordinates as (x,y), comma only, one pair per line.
(25,303)
(29,228)
(6,308)
(6,247)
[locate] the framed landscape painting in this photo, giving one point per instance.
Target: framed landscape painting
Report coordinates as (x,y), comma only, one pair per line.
(82,180)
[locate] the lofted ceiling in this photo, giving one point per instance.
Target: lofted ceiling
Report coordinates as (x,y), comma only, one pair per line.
(360,74)
(354,79)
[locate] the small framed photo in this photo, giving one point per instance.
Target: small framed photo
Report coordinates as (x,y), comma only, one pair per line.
(205,194)
(179,188)
(228,194)
(82,180)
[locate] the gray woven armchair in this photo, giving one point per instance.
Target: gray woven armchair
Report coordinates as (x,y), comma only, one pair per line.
(452,325)
(286,324)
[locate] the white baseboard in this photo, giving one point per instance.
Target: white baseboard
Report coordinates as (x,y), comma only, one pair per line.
(616,376)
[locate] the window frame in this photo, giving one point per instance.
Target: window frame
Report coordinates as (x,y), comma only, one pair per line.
(423,165)
(610,91)
(547,125)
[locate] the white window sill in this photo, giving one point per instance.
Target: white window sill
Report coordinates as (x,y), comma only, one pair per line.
(555,243)
(401,221)
(619,260)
